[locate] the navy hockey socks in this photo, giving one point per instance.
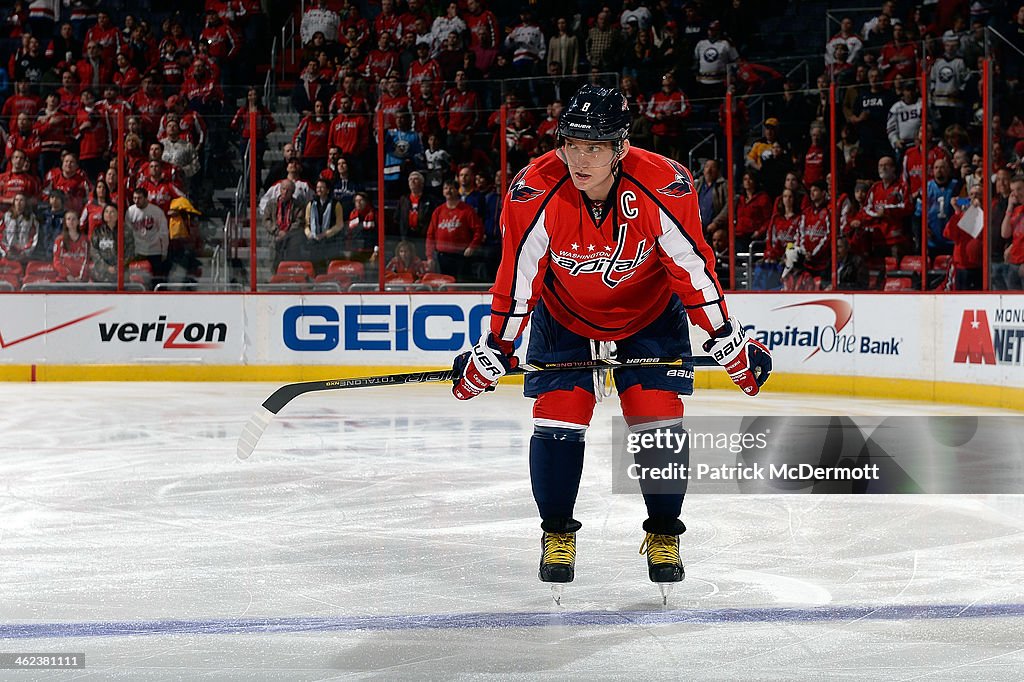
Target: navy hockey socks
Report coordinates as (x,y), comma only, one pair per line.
(556,465)
(664,496)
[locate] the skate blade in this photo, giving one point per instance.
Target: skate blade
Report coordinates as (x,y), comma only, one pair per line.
(556,592)
(666,590)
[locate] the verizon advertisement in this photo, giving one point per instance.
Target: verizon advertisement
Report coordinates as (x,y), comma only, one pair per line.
(105,329)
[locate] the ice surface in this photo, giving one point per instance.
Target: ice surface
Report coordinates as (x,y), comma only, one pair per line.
(391,532)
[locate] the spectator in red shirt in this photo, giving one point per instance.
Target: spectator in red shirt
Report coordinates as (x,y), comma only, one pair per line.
(23,137)
(71,181)
(888,203)
(392,101)
(666,110)
(753,211)
(406,260)
(310,138)
(126,77)
(93,129)
(361,233)
(816,158)
(350,133)
(423,69)
(18,180)
(460,110)
(454,234)
(106,35)
(22,101)
(265,124)
(93,70)
(71,251)
(967,250)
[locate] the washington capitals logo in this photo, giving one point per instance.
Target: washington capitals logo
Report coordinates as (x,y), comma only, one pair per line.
(680,185)
(522,192)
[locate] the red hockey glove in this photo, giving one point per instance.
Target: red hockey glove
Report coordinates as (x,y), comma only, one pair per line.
(746,360)
(479,369)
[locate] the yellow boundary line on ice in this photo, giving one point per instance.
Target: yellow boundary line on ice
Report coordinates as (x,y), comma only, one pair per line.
(860,387)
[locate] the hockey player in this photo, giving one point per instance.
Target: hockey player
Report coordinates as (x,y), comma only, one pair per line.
(602,242)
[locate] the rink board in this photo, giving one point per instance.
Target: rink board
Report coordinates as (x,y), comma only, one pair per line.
(951,348)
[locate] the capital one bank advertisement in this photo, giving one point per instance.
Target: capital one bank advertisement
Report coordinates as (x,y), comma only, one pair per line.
(865,335)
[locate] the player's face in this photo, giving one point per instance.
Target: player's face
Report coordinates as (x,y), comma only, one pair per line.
(590,163)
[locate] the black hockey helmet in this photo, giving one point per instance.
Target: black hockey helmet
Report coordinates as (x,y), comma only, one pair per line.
(597,114)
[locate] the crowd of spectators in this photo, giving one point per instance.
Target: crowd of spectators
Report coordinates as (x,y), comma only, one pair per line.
(436,75)
(70,74)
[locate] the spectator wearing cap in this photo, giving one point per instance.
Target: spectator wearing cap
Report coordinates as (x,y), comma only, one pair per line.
(713,55)
(762,148)
(948,79)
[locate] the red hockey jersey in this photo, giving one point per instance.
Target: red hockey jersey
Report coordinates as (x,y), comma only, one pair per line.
(607,279)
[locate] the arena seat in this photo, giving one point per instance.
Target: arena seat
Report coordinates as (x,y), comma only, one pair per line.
(296,266)
(41,271)
(436,279)
(289,278)
(353,269)
(899,284)
(340,278)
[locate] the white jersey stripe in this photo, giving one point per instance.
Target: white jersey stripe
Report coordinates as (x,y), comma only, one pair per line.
(682,253)
(532,251)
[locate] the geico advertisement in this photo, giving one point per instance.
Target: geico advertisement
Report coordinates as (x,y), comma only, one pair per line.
(373,329)
(868,335)
(119,329)
(983,339)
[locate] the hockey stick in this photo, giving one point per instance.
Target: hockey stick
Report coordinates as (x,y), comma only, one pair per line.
(278,399)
